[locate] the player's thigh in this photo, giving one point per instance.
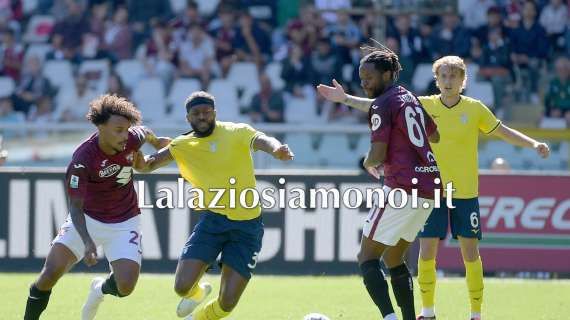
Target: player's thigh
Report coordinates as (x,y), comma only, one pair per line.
(188,273)
(70,239)
(465,219)
(394,256)
(126,273)
(232,286)
(437,223)
(242,250)
(121,244)
(60,259)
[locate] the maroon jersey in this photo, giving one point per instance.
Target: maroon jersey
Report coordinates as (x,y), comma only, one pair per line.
(398,119)
(104,182)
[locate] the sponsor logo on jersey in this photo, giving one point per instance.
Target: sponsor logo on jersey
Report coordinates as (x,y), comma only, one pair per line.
(78,166)
(464,118)
(426,169)
(375,121)
(213,146)
(74,182)
(109,171)
(374,107)
(104,163)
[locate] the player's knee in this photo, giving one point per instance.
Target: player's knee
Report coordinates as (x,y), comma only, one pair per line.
(182,287)
(125,287)
(228,303)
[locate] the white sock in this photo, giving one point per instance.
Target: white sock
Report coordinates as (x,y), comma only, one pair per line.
(475,315)
(428,312)
(391,316)
(99,288)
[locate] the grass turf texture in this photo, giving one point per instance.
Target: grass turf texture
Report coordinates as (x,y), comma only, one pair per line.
(280,297)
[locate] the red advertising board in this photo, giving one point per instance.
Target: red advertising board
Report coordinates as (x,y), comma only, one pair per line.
(525,222)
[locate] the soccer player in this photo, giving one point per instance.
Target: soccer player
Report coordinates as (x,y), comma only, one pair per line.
(217,155)
(401,130)
(460,119)
(103,208)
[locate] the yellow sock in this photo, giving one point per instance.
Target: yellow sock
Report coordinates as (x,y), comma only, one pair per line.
(474,278)
(426,279)
(197,292)
(211,311)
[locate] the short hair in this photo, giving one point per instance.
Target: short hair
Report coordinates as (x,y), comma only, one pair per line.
(103,107)
(383,59)
(196,96)
(454,62)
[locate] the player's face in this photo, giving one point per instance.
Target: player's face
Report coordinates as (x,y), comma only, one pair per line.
(202,118)
(371,80)
(449,80)
(115,133)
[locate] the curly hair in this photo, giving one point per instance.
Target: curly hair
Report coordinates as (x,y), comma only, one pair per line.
(102,108)
(383,59)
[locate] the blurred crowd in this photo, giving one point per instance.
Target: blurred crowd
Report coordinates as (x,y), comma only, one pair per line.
(521,48)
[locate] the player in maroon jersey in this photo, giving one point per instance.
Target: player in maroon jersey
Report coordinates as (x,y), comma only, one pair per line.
(400,134)
(103,207)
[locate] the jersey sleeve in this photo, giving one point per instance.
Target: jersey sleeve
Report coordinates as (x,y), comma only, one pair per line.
(487,120)
(137,136)
(380,122)
(77,177)
(175,147)
(431,127)
(247,134)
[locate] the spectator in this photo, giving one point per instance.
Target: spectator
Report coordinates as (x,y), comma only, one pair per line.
(368,24)
(494,21)
(475,15)
(325,63)
(9,115)
(252,43)
(296,72)
(115,86)
(267,105)
(331,5)
(33,86)
(144,15)
(190,16)
(158,54)
(118,35)
(224,37)
(345,37)
(62,9)
(11,56)
(529,51)
(75,105)
(409,43)
(90,49)
(72,27)
(42,112)
(495,65)
(557,98)
(196,55)
(97,19)
(553,19)
(57,51)
(451,39)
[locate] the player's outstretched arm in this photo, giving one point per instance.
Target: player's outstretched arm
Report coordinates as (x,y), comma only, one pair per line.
(145,164)
(274,147)
(78,219)
(520,139)
(157,142)
(337,94)
(375,158)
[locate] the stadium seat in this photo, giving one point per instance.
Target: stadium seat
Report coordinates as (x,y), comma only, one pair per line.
(422,77)
(244,77)
(59,73)
(334,151)
(97,73)
(481,90)
(347,71)
(39,50)
(178,5)
(472,71)
(494,149)
(181,89)
(273,71)
(301,110)
(7,86)
(207,7)
(302,145)
(148,96)
(227,103)
(130,71)
(564,151)
(552,123)
(39,28)
(28,6)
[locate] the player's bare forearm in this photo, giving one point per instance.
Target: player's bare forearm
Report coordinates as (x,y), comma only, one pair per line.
(514,137)
(157,142)
(152,162)
(273,147)
(362,104)
(78,219)
(434,137)
(376,155)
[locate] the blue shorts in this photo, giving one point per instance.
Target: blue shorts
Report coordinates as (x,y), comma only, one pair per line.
(464,220)
(239,242)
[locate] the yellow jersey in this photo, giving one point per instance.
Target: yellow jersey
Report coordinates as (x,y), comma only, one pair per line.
(211,162)
(456,152)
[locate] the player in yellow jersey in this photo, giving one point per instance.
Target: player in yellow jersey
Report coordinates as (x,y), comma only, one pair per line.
(459,120)
(217,155)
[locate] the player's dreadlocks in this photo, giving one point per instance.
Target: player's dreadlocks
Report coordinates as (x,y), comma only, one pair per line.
(383,59)
(102,108)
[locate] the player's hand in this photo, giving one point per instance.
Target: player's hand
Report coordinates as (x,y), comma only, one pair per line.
(334,94)
(374,171)
(90,257)
(542,149)
(283,153)
(138,160)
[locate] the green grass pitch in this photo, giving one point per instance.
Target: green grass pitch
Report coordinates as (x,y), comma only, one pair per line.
(280,297)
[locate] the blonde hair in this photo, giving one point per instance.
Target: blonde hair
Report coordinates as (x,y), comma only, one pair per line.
(454,62)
